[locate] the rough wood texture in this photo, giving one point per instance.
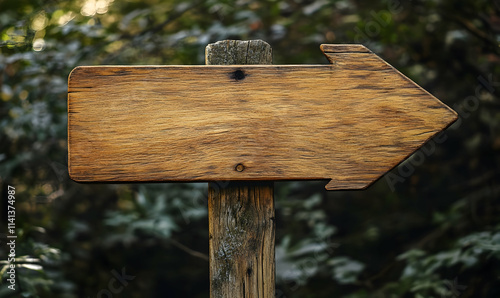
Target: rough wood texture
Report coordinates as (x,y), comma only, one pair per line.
(241,215)
(241,225)
(350,121)
(229,52)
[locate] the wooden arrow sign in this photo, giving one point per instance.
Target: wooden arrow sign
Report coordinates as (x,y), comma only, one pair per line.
(348,122)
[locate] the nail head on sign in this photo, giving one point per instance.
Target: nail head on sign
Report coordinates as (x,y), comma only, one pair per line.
(238,75)
(239,167)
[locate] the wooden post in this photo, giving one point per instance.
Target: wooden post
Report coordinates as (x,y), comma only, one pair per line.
(241,215)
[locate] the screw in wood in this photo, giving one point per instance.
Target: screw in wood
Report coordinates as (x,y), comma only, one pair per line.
(239,167)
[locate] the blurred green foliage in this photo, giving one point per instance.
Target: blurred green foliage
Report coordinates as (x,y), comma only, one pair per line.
(431,228)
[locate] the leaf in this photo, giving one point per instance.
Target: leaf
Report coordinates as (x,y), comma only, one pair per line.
(345,270)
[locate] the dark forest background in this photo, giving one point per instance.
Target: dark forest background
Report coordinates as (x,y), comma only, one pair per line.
(430,228)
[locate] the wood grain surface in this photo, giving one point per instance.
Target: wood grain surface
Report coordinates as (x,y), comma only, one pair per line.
(348,122)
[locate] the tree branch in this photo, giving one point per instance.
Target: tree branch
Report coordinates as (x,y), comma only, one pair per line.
(194,253)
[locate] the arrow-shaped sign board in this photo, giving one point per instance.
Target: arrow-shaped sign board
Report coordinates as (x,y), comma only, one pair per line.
(348,122)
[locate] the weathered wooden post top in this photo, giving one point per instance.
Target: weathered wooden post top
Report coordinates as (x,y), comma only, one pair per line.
(347,122)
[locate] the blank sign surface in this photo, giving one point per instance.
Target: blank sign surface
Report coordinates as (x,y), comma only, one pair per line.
(348,122)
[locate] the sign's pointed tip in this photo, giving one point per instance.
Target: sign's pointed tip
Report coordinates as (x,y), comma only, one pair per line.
(453,116)
(449,118)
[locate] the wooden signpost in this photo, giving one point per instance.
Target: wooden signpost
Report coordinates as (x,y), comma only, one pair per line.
(348,123)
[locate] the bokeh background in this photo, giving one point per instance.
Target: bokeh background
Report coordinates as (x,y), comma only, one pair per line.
(430,228)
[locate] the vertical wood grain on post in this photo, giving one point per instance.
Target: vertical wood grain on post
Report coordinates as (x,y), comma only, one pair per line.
(241,215)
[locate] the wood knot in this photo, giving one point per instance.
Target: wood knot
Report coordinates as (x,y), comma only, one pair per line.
(239,167)
(237,75)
